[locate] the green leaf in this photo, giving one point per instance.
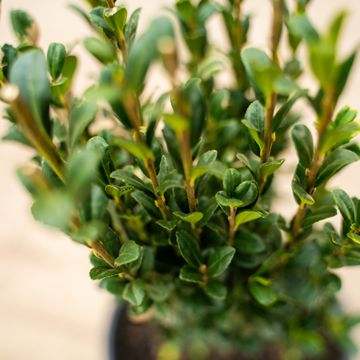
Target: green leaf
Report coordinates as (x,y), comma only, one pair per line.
(81,115)
(29,74)
(134,292)
(260,69)
(255,115)
(81,170)
(56,59)
(254,134)
(335,162)
(303,141)
(116,18)
(189,248)
(285,108)
(130,179)
(168,225)
(220,260)
(129,252)
(147,202)
(247,216)
(223,200)
(131,27)
(191,218)
(118,191)
(346,206)
(262,293)
(301,27)
(187,273)
(247,192)
(139,150)
(249,243)
(101,49)
(103,272)
(206,164)
(54,209)
(216,290)
(318,214)
(177,122)
(270,167)
(21,23)
(231,180)
(301,193)
(145,50)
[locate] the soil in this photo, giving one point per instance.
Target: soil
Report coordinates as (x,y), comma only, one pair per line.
(140,341)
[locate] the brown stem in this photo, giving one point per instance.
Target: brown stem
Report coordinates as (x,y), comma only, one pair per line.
(99,251)
(232,227)
(277,25)
(328,107)
(38,138)
(110,3)
(187,164)
(133,109)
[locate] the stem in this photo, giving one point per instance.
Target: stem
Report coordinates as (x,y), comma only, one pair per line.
(100,252)
(38,138)
(133,109)
(232,227)
(328,107)
(187,164)
(277,25)
(110,3)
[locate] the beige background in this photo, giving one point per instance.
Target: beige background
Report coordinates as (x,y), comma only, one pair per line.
(49,309)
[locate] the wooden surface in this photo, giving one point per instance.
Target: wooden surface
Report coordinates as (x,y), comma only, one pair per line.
(49,308)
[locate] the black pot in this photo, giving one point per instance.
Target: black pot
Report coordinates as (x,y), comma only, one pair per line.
(120,346)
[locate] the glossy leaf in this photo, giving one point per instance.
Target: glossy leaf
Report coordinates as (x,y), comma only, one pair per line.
(216,290)
(191,218)
(56,59)
(220,260)
(303,141)
(189,248)
(264,295)
(248,215)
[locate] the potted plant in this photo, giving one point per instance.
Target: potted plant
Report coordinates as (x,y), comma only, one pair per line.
(173,193)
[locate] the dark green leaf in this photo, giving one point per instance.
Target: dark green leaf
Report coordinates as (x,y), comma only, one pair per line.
(247,192)
(189,248)
(103,272)
(316,215)
(346,206)
(220,260)
(231,180)
(335,162)
(131,179)
(56,59)
(303,140)
(187,273)
(147,202)
(301,194)
(216,290)
(247,242)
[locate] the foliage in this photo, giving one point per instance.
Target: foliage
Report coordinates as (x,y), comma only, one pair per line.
(174,199)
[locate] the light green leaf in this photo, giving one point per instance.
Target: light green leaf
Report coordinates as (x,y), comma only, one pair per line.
(103,272)
(223,200)
(134,292)
(247,216)
(139,150)
(191,218)
(301,193)
(129,252)
(263,294)
(270,167)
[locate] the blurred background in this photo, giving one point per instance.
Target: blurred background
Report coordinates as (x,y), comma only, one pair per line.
(49,308)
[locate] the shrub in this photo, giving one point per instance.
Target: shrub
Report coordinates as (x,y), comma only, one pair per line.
(174,195)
